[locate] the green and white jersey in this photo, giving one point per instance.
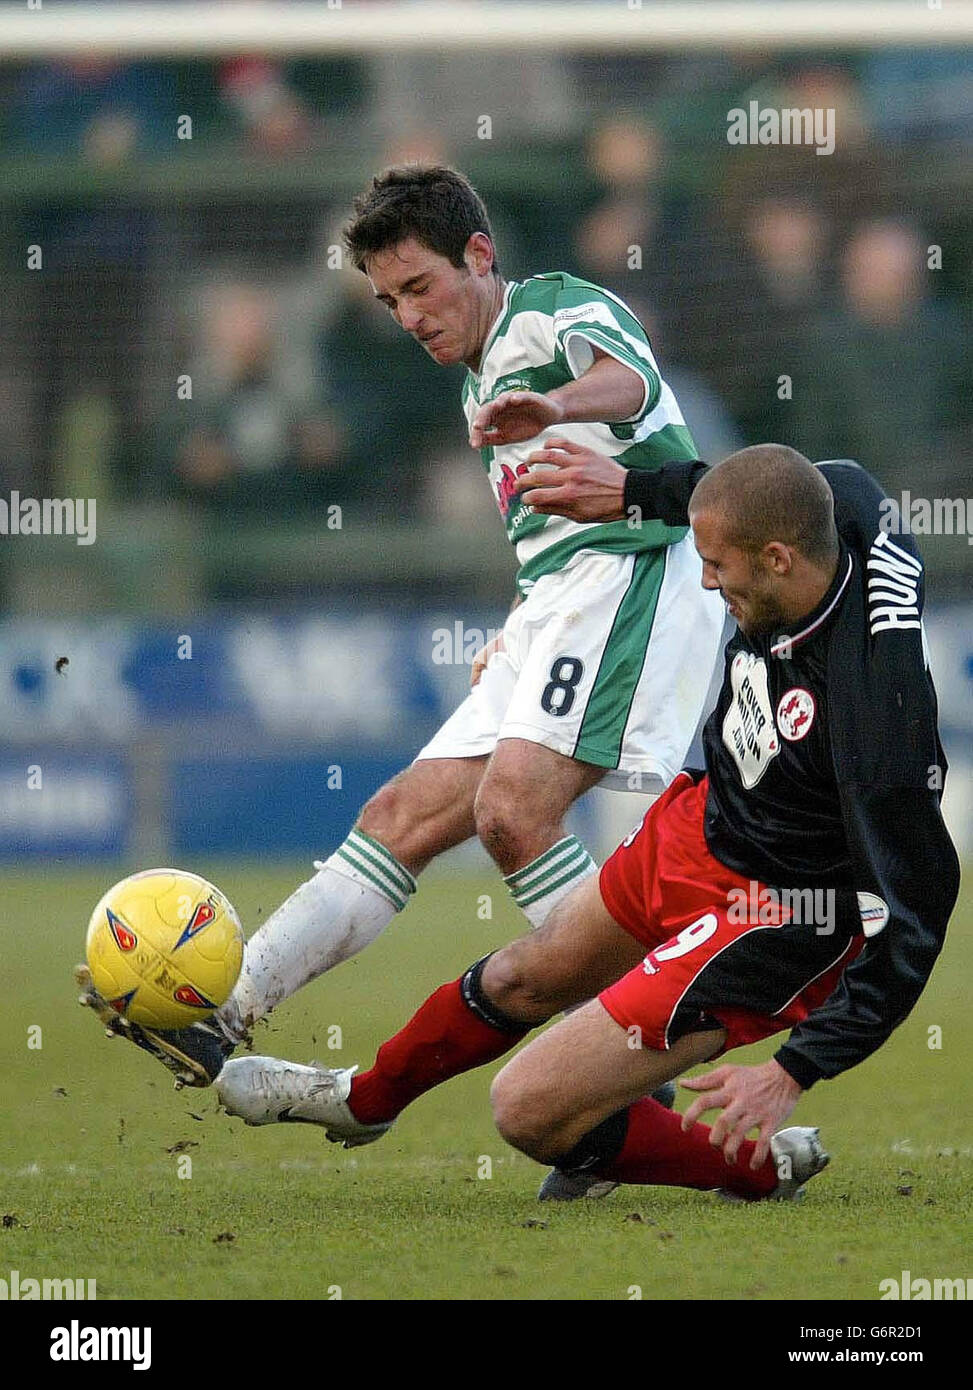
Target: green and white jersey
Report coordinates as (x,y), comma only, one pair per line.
(543,338)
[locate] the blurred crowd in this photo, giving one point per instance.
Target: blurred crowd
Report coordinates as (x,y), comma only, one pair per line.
(217,348)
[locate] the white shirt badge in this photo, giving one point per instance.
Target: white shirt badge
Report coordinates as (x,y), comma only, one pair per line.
(749,731)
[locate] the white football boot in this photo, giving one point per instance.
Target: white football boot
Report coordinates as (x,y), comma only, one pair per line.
(266,1091)
(798,1156)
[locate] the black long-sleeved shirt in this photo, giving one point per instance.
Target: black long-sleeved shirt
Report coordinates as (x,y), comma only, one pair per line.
(825,767)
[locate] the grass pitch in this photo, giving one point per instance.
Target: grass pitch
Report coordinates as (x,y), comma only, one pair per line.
(94,1147)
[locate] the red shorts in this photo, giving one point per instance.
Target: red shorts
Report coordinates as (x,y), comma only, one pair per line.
(714,958)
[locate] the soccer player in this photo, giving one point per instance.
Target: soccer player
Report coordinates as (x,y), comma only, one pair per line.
(603,666)
(803,881)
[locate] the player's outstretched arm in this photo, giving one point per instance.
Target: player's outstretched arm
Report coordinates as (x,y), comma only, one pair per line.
(906,862)
(578,483)
(608,391)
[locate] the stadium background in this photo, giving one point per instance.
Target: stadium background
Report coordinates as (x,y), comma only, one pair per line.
(315,634)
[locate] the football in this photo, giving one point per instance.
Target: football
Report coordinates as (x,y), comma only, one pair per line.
(164,947)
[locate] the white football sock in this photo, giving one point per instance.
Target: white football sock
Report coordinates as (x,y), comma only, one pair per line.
(334,915)
(541,884)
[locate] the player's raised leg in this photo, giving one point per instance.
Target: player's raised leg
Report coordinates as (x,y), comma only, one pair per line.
(356,892)
(516,801)
(579,949)
(463,1024)
(351,899)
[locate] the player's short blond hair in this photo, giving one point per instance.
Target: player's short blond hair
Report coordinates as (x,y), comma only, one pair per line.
(770,492)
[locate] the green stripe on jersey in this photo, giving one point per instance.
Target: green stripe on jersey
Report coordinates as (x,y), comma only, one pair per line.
(612,342)
(542,379)
(672,444)
(574,292)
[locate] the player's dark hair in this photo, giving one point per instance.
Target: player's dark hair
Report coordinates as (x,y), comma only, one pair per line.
(771,493)
(430,202)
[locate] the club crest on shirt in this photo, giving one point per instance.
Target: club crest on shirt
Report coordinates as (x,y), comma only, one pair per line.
(795,714)
(749,731)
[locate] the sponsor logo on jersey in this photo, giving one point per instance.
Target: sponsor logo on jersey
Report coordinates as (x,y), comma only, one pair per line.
(874,913)
(749,731)
(587,311)
(506,495)
(795,714)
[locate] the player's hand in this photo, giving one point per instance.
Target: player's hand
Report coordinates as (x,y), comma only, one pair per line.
(483,656)
(514,417)
(577,483)
(749,1097)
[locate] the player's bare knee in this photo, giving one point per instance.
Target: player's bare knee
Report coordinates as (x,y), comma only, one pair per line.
(382,816)
(520,1120)
(511,832)
(499,836)
(515,980)
(393,817)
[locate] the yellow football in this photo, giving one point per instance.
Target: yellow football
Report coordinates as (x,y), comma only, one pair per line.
(164,947)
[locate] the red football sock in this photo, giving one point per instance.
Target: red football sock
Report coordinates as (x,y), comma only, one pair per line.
(442,1038)
(656,1151)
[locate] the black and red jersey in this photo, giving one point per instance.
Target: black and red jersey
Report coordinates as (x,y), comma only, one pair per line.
(826,770)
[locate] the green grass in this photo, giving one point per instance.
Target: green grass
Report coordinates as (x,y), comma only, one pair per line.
(91,1191)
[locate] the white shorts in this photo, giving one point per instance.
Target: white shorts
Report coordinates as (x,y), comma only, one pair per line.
(607,661)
